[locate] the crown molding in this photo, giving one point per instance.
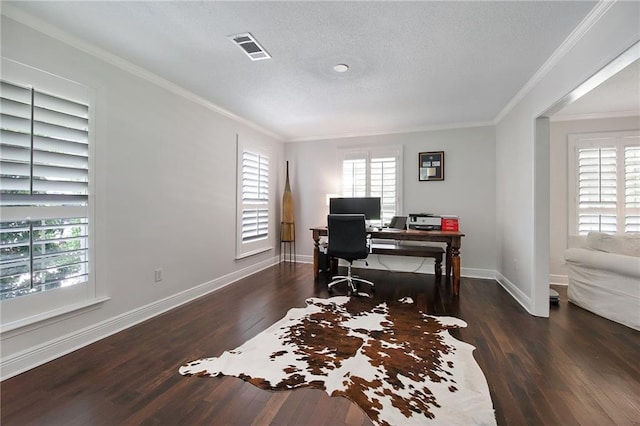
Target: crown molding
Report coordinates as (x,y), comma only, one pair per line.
(595,115)
(449,126)
(576,35)
(41,26)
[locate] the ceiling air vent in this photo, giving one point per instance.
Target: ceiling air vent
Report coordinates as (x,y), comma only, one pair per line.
(250,46)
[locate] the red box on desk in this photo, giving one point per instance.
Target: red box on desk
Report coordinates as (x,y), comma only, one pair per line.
(449,223)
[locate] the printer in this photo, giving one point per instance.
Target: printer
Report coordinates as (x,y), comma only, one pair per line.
(424,222)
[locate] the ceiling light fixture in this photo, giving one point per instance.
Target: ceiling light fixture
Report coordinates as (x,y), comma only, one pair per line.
(341,68)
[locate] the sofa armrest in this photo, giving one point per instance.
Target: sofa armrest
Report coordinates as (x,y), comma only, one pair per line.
(618,263)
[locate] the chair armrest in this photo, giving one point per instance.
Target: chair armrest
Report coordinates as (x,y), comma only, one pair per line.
(594,259)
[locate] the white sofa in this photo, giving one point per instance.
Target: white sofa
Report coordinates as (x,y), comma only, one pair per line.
(604,277)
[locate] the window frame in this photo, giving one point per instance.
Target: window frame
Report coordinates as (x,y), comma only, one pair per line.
(369,153)
(24,310)
(249,248)
(615,139)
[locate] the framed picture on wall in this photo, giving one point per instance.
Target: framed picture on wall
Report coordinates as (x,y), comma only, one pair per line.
(431,166)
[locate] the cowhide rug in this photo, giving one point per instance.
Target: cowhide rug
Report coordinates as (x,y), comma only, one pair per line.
(399,365)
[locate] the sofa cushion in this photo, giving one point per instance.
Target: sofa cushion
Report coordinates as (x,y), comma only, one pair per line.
(628,245)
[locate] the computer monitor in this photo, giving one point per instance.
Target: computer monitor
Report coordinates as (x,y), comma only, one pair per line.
(368,206)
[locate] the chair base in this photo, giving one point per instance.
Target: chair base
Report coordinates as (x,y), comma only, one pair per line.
(351,280)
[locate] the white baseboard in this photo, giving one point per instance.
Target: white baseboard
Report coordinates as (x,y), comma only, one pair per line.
(39,354)
(303,258)
(15,364)
(465,272)
(486,274)
(515,292)
(558,279)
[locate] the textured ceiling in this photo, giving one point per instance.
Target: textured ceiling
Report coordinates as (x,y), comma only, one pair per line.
(413,65)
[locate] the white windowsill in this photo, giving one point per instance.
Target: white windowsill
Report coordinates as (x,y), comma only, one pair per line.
(35,320)
(253,252)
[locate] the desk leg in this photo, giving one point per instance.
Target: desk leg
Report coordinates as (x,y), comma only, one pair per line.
(316,248)
(455,263)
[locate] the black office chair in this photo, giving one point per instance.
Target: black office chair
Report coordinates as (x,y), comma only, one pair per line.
(348,241)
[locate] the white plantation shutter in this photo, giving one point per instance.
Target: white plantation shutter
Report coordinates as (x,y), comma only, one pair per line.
(255,196)
(255,224)
(44,172)
(384,184)
(45,160)
(632,188)
(374,173)
(596,190)
(605,183)
(354,177)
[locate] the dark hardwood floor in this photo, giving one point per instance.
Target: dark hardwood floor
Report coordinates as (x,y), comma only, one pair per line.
(573,368)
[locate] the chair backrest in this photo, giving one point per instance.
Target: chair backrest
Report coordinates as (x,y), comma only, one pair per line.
(347,236)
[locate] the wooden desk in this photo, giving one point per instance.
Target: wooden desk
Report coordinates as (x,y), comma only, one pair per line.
(452,239)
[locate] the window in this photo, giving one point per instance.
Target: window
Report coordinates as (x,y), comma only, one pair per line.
(604,182)
(253,201)
(374,173)
(255,196)
(44,192)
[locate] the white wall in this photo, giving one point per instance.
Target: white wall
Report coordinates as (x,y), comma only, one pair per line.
(560,131)
(164,191)
(522,205)
(467,191)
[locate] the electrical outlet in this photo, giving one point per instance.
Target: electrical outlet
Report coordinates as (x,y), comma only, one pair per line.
(158,275)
